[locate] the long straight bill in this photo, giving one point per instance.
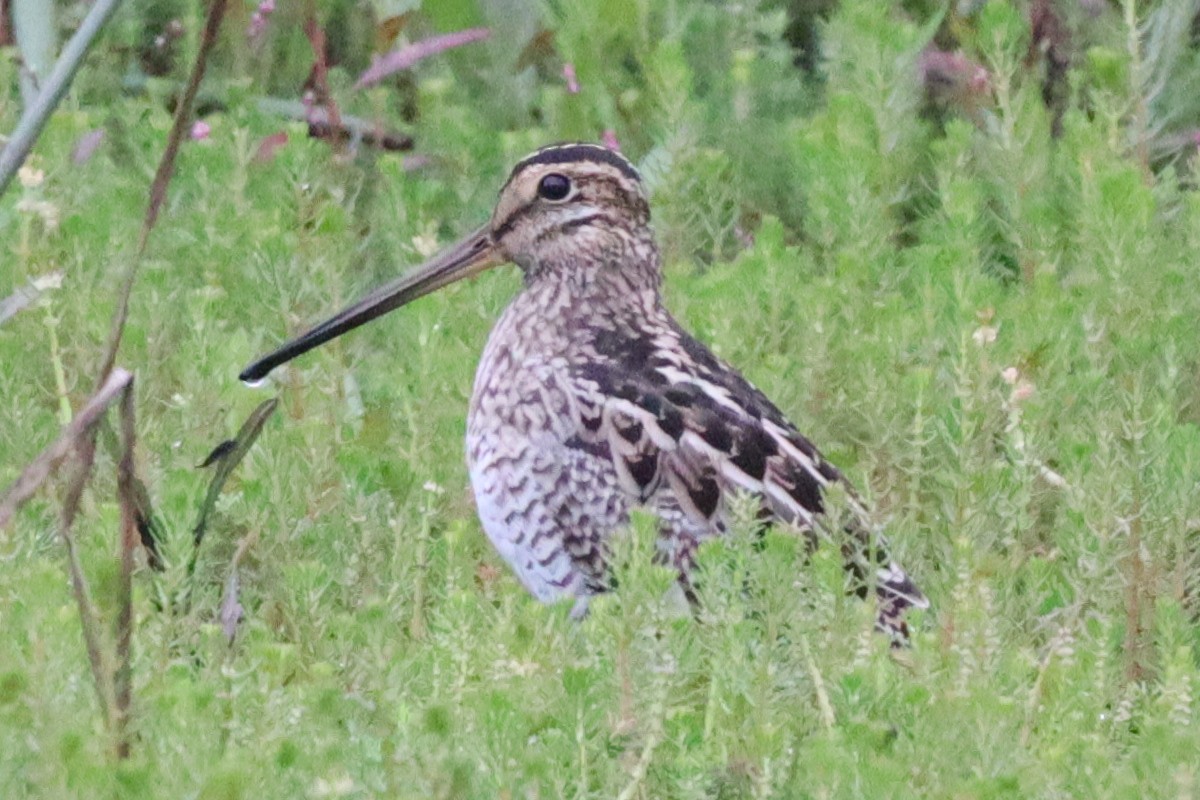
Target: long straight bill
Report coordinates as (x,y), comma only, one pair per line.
(469,257)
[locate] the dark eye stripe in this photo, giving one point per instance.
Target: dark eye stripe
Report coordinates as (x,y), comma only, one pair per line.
(508,224)
(582,185)
(590,219)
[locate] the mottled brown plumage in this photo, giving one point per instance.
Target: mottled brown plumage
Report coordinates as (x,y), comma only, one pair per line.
(590,399)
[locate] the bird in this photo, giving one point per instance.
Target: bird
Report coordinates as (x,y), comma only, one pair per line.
(591,400)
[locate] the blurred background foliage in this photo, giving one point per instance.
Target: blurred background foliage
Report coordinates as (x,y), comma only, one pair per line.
(703,93)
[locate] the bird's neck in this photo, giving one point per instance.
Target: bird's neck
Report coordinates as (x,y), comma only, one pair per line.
(608,272)
(571,299)
(560,309)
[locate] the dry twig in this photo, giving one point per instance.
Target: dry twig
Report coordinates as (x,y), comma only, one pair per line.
(162,177)
(111,670)
(80,436)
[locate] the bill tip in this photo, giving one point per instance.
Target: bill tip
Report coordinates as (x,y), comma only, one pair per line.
(253,379)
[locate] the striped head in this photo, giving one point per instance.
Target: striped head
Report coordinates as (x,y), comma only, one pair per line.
(572,212)
(571,206)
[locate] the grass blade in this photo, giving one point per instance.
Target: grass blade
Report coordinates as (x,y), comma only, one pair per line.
(226,457)
(320,69)
(148,525)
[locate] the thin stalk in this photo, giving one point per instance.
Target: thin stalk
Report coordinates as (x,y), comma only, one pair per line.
(127,497)
(162,177)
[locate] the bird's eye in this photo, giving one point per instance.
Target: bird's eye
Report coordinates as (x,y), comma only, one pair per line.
(554,187)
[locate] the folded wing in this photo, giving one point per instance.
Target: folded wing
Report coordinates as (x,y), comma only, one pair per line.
(699,430)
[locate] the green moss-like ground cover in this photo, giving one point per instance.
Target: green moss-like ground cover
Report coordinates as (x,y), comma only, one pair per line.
(996,334)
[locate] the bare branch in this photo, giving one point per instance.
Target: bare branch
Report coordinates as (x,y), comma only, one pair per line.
(351,128)
(319,78)
(80,436)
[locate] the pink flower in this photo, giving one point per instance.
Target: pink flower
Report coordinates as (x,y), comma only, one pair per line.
(569,74)
(609,138)
(1022,392)
(200,130)
(258,20)
(1022,387)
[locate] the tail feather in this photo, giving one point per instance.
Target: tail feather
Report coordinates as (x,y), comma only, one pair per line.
(895,590)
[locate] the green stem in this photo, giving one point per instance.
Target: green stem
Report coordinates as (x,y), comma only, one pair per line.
(60,378)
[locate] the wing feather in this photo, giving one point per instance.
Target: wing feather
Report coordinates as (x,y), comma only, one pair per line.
(703,446)
(677,418)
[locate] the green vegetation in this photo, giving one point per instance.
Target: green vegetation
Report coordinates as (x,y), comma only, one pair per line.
(994,331)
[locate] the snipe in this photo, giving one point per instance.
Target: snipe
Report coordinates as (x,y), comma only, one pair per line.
(590,398)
